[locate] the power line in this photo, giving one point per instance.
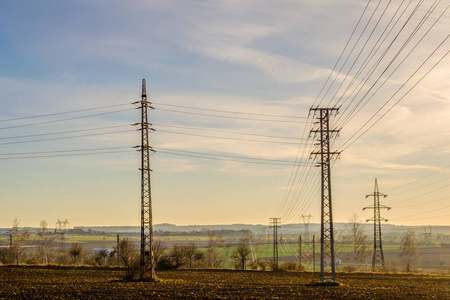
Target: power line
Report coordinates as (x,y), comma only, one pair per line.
(354,47)
(427,193)
(66,137)
(360,52)
(63,155)
(284,203)
(425,203)
(421,213)
(62,113)
(229,117)
(226,111)
(223,157)
(340,56)
(63,151)
(369,57)
(430,218)
(420,187)
(355,109)
(67,119)
(225,138)
(385,113)
(298,176)
(426,176)
(226,131)
(62,132)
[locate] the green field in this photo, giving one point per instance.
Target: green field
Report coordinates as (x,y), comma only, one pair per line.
(38,282)
(433,258)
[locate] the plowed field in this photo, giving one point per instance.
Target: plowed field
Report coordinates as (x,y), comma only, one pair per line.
(94,283)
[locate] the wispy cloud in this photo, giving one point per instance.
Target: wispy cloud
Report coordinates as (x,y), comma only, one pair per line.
(282,69)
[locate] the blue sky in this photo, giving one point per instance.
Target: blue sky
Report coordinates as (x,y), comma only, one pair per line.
(234,61)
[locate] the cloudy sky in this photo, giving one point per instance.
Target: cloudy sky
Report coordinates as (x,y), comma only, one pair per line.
(232,83)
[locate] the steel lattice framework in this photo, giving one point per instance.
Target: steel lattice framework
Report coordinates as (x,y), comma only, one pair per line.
(275,224)
(323,135)
(147,265)
(378,256)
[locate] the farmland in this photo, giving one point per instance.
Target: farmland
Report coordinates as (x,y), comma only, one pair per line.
(51,282)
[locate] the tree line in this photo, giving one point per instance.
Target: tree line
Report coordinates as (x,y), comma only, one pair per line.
(219,253)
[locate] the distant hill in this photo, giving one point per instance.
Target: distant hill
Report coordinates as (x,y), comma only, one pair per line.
(299,228)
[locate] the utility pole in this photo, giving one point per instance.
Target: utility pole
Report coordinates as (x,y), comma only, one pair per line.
(300,251)
(378,256)
(275,224)
(147,260)
(314,253)
(323,135)
(118,254)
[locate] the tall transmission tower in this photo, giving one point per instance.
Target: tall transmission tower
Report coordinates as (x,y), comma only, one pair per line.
(323,135)
(275,224)
(306,219)
(147,260)
(378,256)
(61,228)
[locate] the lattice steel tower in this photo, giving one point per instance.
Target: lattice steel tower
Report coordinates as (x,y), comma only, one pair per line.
(324,134)
(306,219)
(275,224)
(378,256)
(147,261)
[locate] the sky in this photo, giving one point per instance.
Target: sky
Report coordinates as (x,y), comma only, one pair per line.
(231,84)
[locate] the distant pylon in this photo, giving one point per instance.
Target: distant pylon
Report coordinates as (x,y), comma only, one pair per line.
(306,219)
(324,134)
(275,224)
(147,261)
(428,235)
(61,227)
(378,256)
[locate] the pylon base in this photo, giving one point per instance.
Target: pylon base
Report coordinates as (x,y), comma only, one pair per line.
(327,283)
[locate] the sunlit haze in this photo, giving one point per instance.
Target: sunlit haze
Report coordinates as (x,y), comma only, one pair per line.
(232,84)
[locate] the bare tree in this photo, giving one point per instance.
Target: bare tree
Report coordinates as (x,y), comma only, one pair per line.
(101,257)
(198,257)
(129,257)
(255,248)
(177,256)
(18,240)
(190,251)
(159,248)
(358,239)
(242,251)
(212,257)
(409,253)
(46,240)
(75,252)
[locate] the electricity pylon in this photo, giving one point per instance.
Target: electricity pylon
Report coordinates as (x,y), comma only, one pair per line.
(428,235)
(324,133)
(275,224)
(147,260)
(306,219)
(61,227)
(378,256)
